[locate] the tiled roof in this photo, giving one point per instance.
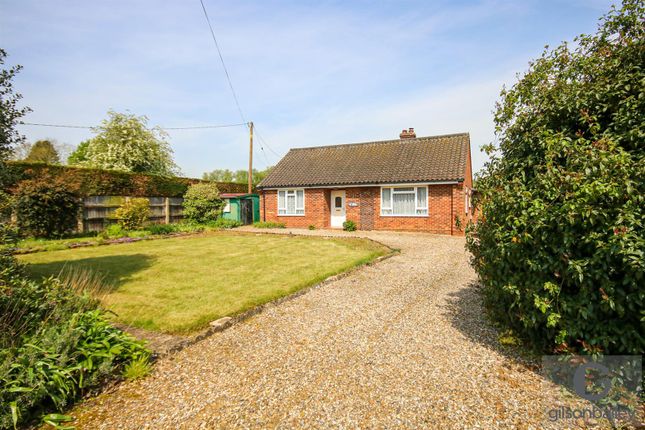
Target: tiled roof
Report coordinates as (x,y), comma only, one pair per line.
(421,159)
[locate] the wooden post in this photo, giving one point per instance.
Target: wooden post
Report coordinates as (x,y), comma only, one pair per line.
(250,188)
(167,209)
(80,225)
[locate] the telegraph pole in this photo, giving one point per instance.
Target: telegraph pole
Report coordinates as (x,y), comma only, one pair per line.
(250,157)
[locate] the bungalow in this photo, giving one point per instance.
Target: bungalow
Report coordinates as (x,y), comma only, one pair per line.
(411,183)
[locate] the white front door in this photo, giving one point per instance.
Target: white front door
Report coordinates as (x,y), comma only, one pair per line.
(337,208)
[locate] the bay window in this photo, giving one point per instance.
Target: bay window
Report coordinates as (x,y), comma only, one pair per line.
(291,202)
(404,201)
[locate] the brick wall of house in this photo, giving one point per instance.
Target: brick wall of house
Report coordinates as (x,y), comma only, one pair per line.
(363,207)
(317,209)
(441,203)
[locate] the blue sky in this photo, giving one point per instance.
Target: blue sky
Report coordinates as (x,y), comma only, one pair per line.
(307,73)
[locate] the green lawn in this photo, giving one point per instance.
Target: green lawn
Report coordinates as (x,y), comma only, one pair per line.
(179,285)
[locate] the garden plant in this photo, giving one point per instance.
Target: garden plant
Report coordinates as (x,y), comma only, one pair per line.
(202,202)
(133,214)
(45,207)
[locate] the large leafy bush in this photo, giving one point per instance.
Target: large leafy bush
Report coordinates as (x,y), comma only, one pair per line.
(133,214)
(202,202)
(45,207)
(560,246)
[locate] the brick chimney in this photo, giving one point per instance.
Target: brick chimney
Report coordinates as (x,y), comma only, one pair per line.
(408,134)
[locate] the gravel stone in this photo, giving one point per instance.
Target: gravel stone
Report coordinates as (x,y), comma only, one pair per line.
(402,343)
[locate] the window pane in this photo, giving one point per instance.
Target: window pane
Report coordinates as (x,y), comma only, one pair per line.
(300,197)
(387,211)
(404,190)
(291,204)
(422,211)
(403,204)
(386,199)
(422,197)
(281,200)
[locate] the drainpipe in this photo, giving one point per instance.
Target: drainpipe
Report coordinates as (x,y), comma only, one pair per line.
(264,208)
(452,192)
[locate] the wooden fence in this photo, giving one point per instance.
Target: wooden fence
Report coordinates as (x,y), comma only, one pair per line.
(97,211)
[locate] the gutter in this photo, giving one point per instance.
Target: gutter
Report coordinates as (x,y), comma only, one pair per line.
(363,185)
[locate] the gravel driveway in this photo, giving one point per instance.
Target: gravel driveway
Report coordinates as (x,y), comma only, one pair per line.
(402,343)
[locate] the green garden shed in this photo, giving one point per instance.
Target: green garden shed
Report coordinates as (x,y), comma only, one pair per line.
(241,207)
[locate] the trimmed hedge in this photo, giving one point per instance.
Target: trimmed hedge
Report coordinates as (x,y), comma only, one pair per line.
(45,209)
(98,182)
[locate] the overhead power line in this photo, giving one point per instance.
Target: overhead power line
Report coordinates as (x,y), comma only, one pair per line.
(264,142)
(54,125)
(88,127)
(221,58)
(196,127)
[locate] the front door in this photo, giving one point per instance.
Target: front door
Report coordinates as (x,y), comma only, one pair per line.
(337,208)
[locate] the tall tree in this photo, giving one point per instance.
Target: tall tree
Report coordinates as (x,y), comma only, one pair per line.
(43,151)
(124,142)
(258,175)
(219,175)
(79,155)
(10,113)
(238,176)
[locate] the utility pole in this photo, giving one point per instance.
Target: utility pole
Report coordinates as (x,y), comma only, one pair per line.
(250,157)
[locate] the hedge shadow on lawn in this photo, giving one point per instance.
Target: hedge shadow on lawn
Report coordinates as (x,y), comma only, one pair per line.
(112,270)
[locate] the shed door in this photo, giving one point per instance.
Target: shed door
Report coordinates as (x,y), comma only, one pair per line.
(246,211)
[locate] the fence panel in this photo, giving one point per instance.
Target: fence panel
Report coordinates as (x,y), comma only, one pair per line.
(98,211)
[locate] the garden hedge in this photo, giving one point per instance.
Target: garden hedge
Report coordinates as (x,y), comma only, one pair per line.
(560,244)
(97,182)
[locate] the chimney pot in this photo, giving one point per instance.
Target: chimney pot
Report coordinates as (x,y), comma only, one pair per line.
(408,134)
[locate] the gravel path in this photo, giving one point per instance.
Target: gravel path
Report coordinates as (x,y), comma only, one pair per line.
(402,343)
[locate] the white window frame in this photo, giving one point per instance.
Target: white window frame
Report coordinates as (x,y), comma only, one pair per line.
(227,206)
(282,211)
(417,203)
